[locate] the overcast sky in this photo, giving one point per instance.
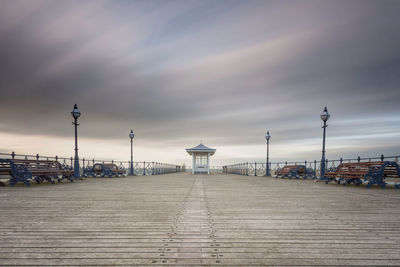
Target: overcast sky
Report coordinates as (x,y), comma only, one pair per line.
(178,72)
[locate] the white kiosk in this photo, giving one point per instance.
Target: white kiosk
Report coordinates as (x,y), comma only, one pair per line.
(200,158)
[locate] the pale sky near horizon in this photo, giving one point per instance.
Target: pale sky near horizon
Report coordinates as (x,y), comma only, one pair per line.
(178,72)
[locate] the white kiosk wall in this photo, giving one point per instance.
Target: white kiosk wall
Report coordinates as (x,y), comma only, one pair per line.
(201,158)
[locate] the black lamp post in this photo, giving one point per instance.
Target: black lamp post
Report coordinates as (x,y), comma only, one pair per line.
(267,171)
(76,114)
(131,135)
(324,117)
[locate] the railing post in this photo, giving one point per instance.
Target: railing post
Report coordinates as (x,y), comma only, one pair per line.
(56,158)
(144,167)
(13,155)
(83,165)
(255,168)
(341,160)
(37,156)
(382,157)
(71,161)
(358,159)
(152,168)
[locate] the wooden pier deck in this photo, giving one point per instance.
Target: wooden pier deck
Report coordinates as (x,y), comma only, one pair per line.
(183,220)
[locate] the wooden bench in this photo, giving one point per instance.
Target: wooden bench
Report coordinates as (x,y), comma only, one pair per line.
(103,170)
(24,170)
(294,171)
(371,173)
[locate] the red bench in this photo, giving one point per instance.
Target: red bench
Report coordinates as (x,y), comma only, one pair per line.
(23,170)
(371,173)
(294,171)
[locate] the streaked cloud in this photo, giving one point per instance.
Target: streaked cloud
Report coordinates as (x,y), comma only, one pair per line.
(180,71)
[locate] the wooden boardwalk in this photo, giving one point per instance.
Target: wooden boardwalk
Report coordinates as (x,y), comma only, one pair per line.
(182,219)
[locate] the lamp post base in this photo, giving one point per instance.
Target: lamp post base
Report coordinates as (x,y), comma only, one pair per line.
(77,173)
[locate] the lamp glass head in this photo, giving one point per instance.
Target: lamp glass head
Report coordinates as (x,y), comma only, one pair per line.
(267,136)
(131,134)
(325,115)
(75,112)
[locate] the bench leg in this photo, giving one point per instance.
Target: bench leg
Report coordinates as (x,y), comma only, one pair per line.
(48,179)
(13,181)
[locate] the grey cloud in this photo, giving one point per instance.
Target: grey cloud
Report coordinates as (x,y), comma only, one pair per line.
(179,72)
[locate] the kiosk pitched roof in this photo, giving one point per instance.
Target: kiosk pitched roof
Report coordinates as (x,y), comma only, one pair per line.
(200,148)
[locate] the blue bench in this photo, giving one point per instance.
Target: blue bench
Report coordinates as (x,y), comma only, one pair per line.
(24,170)
(294,171)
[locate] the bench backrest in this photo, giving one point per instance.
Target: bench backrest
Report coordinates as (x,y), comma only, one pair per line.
(390,169)
(111,166)
(286,169)
(36,167)
(5,167)
(99,167)
(39,165)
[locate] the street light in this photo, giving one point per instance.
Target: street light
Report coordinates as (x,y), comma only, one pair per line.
(76,114)
(324,117)
(131,135)
(267,172)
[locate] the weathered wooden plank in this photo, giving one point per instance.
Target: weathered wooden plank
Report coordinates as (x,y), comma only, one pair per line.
(185,220)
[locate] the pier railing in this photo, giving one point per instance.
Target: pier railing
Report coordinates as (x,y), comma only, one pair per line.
(259,168)
(139,167)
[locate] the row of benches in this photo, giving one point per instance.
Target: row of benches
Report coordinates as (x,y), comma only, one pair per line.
(369,173)
(295,171)
(25,171)
(103,170)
